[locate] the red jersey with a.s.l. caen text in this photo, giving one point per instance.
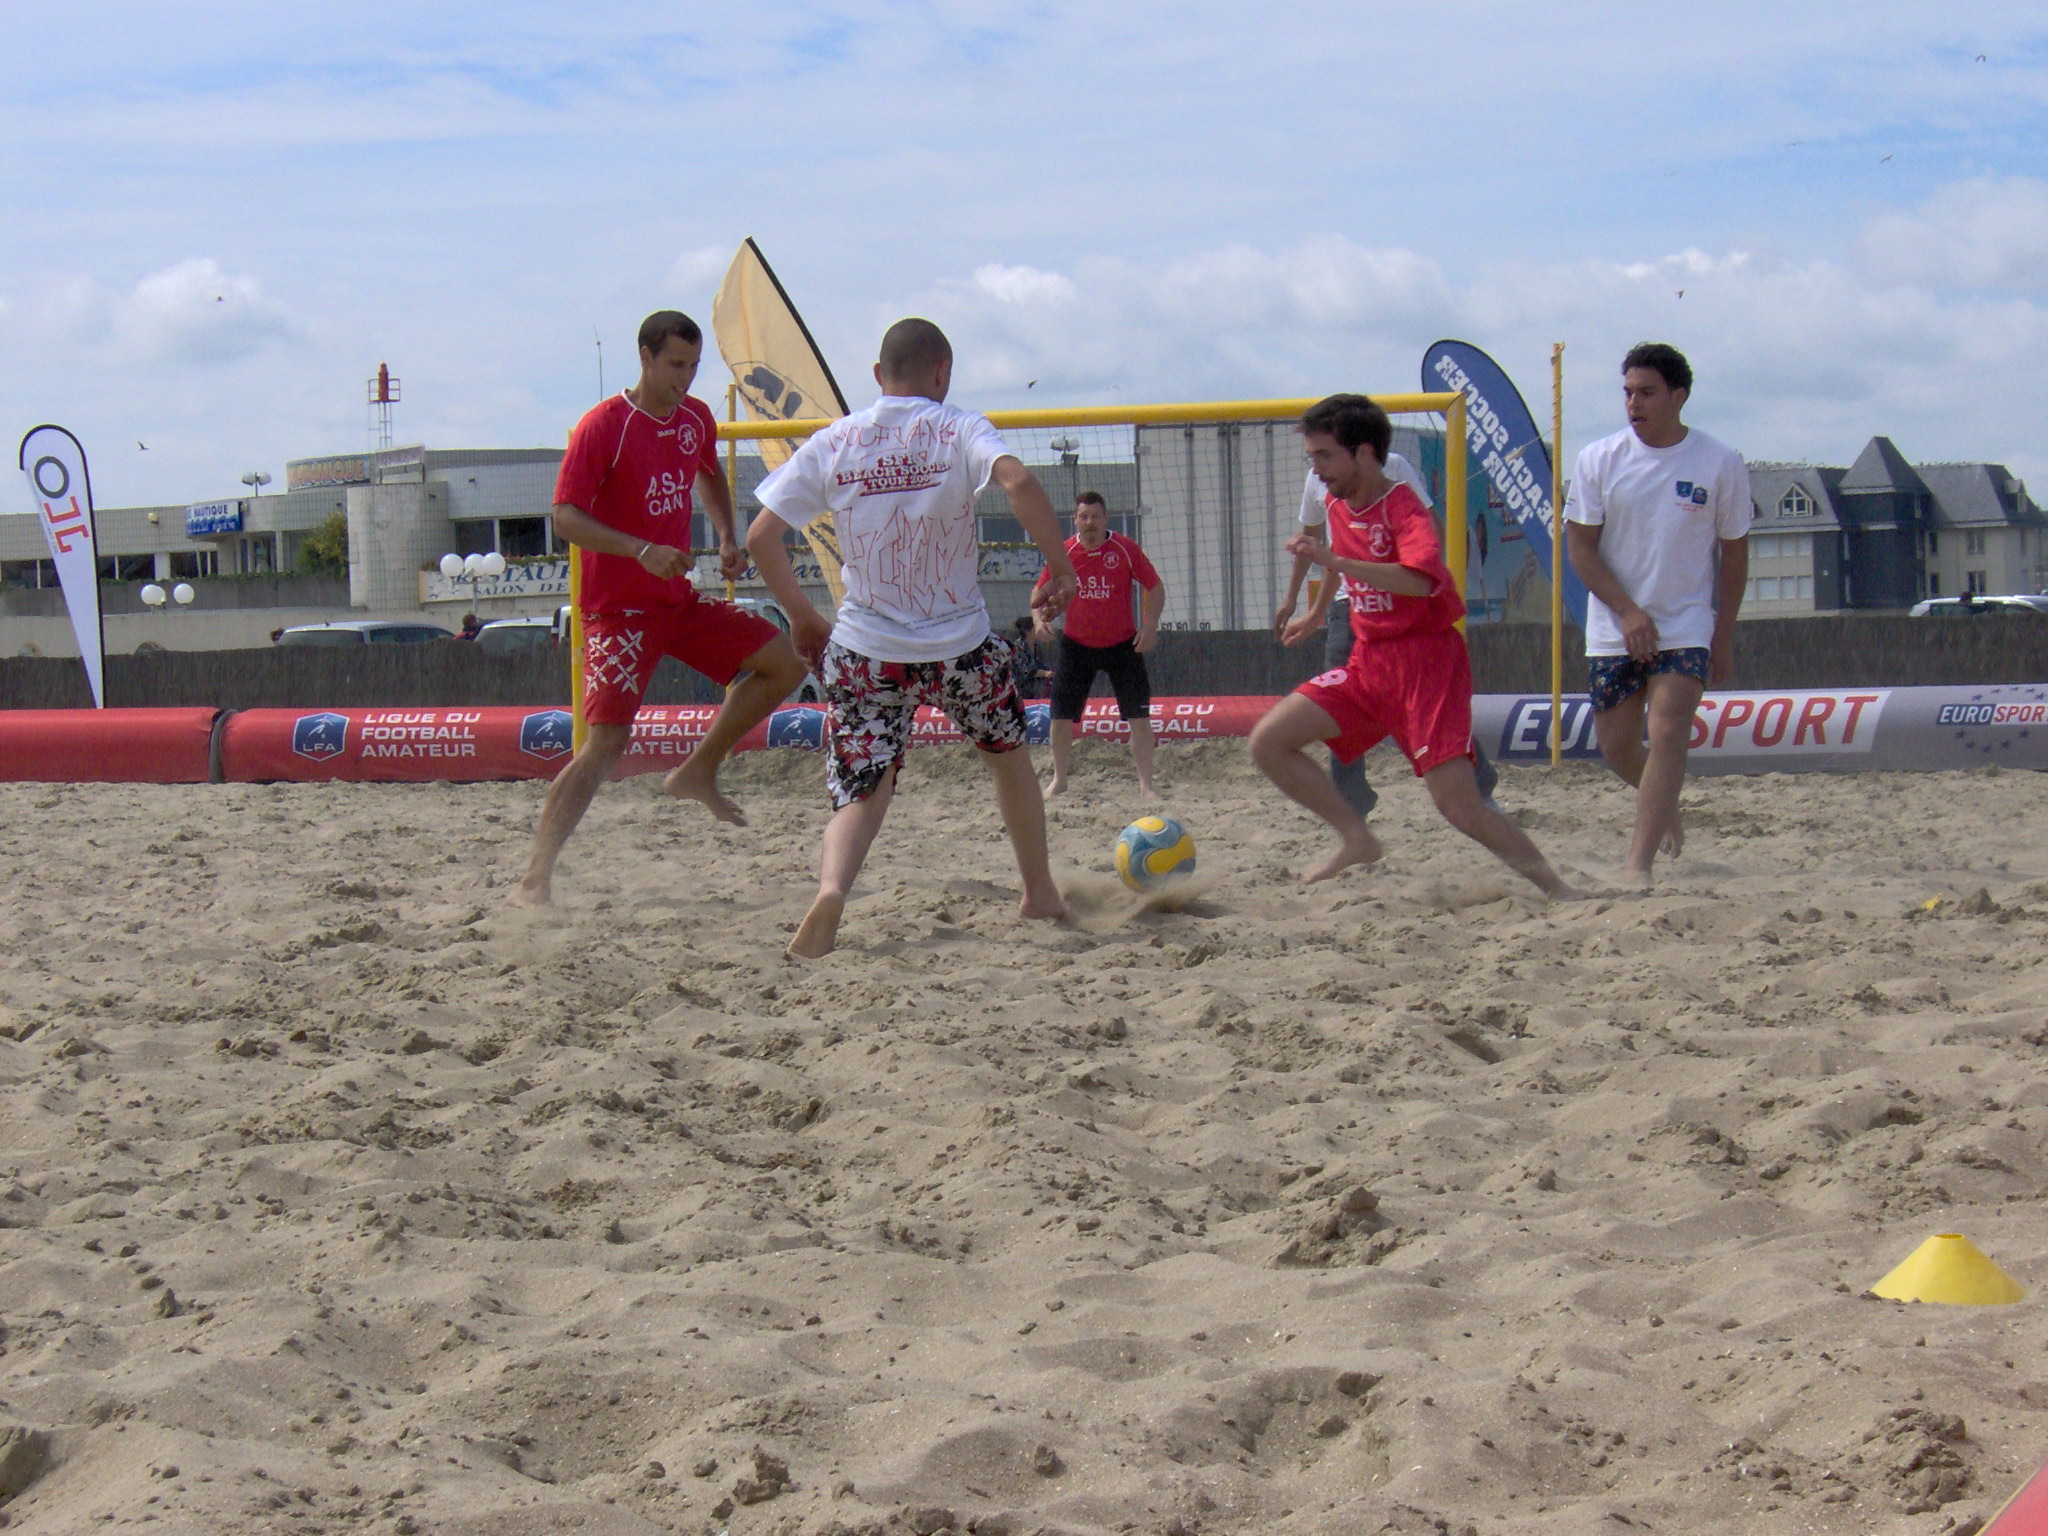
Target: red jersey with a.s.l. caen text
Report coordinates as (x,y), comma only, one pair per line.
(1395,530)
(633,473)
(1100,614)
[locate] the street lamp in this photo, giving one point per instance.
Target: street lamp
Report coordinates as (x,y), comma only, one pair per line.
(457,567)
(256,480)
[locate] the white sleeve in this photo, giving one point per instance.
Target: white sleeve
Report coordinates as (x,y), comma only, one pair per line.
(1584,500)
(1313,513)
(983,445)
(1734,510)
(1400,469)
(796,492)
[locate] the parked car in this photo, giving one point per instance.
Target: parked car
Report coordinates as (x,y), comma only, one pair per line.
(536,633)
(1959,608)
(362,632)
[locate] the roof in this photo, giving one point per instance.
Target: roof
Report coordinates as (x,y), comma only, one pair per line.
(1768,484)
(1978,494)
(1881,467)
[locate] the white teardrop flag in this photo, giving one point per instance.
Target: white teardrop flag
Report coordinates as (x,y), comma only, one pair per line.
(54,462)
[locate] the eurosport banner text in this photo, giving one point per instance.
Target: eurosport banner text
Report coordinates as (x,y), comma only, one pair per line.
(54,462)
(1505,442)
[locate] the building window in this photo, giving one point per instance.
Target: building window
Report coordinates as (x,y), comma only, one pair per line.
(195,562)
(1974,541)
(522,537)
(28,573)
(1933,582)
(1933,542)
(127,567)
(476,537)
(1795,503)
(1978,583)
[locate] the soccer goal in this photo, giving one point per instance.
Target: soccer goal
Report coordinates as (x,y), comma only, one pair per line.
(1211,490)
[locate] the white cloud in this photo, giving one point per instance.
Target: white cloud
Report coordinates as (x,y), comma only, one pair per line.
(1987,232)
(195,312)
(1023,285)
(698,270)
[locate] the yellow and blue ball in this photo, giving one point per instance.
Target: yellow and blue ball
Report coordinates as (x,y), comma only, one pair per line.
(1153,850)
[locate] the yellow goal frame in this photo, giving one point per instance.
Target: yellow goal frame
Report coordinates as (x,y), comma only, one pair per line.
(1450,403)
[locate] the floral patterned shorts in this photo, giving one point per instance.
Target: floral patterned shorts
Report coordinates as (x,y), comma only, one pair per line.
(873,709)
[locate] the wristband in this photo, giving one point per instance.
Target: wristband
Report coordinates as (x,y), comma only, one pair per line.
(643,550)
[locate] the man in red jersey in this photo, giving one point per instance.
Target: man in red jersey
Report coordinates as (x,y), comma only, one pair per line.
(624,498)
(1408,676)
(1100,636)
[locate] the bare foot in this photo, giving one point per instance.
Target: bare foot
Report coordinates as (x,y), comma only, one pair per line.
(1674,840)
(690,782)
(528,893)
(1058,786)
(1043,907)
(1362,848)
(1147,790)
(819,931)
(1637,879)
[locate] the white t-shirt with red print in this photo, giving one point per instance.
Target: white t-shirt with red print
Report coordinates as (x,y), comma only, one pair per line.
(900,480)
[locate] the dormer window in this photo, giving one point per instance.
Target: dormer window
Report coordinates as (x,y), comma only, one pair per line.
(1795,503)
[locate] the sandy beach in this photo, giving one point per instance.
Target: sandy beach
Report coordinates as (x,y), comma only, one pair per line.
(339,1196)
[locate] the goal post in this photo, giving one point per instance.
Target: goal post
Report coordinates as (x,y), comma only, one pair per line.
(1210,488)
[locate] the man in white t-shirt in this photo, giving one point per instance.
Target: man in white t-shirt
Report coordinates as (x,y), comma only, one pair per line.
(1337,638)
(900,479)
(1657,524)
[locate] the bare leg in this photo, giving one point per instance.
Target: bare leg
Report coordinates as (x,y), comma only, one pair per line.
(848,837)
(1062,754)
(568,798)
(1277,747)
(1141,755)
(1023,810)
(1455,789)
(767,678)
(1620,731)
(1674,703)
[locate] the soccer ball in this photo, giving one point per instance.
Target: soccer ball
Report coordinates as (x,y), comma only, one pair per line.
(1153,850)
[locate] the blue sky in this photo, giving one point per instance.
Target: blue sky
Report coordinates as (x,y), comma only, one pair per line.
(220,219)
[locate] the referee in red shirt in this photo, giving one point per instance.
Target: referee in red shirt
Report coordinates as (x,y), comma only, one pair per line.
(1101,636)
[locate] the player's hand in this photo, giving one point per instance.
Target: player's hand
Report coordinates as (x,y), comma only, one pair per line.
(1147,638)
(1058,592)
(1308,624)
(1639,634)
(665,561)
(732,560)
(1309,548)
(1721,661)
(810,634)
(1280,617)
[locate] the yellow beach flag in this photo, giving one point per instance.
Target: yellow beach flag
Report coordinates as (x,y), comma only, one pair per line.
(779,373)
(1949,1268)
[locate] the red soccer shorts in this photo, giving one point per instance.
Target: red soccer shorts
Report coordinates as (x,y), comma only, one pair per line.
(1414,688)
(621,651)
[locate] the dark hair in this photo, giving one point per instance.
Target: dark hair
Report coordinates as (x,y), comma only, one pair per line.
(1093,499)
(911,349)
(656,329)
(1665,360)
(1354,421)
(1023,625)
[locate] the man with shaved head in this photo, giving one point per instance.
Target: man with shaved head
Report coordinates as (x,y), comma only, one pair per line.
(900,480)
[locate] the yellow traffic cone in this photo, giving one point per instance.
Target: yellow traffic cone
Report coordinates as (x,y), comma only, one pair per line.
(1951,1269)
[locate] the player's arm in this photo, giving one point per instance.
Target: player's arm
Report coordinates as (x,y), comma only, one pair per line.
(1033,508)
(1729,586)
(1311,511)
(1638,629)
(1150,606)
(808,631)
(1383,575)
(575,526)
(717,491)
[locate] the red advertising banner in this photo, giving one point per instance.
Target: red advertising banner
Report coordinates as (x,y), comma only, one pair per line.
(107,746)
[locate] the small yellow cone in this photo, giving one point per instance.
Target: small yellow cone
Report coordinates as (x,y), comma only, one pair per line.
(1949,1268)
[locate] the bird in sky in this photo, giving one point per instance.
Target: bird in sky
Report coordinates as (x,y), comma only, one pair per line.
(1980,58)
(1881,162)
(1681,293)
(1032,385)
(141,446)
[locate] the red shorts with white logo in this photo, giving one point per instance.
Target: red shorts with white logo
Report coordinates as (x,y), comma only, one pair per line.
(621,651)
(1415,688)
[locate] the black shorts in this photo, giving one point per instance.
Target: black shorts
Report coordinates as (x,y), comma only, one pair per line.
(1073,674)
